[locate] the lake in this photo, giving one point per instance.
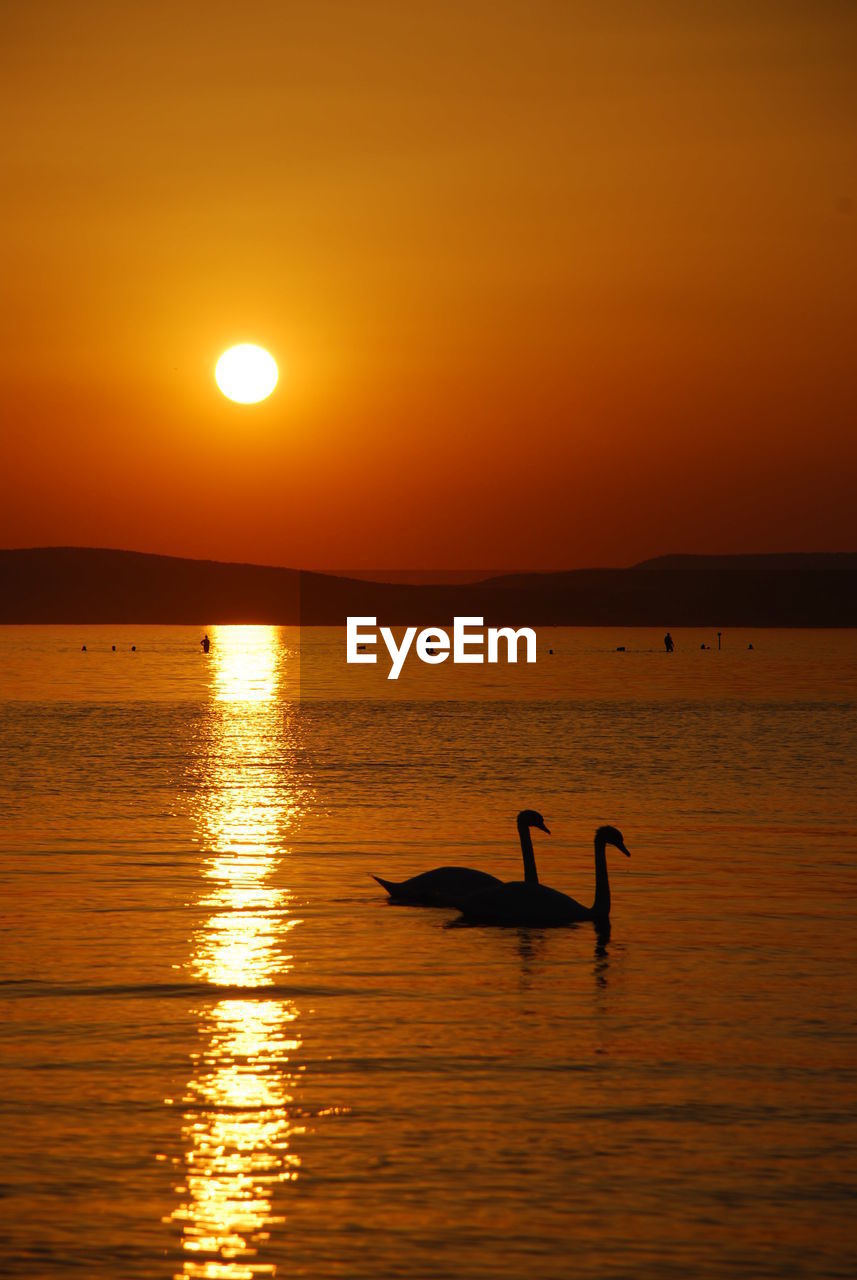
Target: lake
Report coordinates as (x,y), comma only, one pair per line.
(225,1056)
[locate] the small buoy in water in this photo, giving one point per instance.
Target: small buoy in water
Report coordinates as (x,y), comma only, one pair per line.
(113,647)
(550,650)
(749,646)
(133,648)
(83,648)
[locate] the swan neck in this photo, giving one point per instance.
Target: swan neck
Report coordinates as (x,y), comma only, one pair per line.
(601,906)
(531,876)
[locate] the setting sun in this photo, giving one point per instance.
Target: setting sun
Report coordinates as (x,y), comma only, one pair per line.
(246,373)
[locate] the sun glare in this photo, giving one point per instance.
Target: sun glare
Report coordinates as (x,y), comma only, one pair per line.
(246,373)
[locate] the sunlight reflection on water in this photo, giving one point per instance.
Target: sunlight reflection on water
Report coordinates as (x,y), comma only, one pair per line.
(238,1117)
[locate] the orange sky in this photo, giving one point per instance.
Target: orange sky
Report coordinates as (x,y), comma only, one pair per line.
(550,284)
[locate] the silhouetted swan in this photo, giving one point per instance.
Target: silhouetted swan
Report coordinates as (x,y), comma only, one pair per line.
(449,886)
(530,903)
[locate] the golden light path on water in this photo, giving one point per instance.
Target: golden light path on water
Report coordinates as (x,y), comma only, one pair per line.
(238,1117)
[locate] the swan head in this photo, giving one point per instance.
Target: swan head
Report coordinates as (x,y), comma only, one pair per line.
(612,835)
(529,818)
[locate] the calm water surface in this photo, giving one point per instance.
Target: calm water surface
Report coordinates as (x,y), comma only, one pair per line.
(224,1056)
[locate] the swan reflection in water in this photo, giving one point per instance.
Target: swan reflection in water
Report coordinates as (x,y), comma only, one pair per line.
(238,1111)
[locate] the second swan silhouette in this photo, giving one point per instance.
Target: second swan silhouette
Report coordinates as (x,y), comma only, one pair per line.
(526,902)
(450,886)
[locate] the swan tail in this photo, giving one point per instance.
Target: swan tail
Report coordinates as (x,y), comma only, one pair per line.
(387,884)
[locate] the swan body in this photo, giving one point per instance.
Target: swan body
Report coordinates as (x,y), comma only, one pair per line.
(442,887)
(528,903)
(451,886)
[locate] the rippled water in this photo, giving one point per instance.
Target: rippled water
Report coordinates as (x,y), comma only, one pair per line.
(225,1056)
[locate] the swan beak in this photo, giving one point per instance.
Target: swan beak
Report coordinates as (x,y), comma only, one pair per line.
(627,852)
(543,827)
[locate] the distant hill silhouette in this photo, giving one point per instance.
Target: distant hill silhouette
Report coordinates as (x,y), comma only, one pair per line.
(87,585)
(758,563)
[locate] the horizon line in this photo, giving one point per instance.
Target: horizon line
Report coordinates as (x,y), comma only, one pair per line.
(460,573)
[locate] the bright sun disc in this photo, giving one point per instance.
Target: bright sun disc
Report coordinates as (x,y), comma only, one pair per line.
(246,373)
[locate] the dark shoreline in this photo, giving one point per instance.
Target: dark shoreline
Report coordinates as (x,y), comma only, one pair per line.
(70,585)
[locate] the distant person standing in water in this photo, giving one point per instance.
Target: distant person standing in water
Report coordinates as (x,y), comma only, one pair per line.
(669,643)
(206,643)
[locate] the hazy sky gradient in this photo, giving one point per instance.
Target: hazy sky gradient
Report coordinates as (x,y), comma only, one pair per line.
(549,284)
